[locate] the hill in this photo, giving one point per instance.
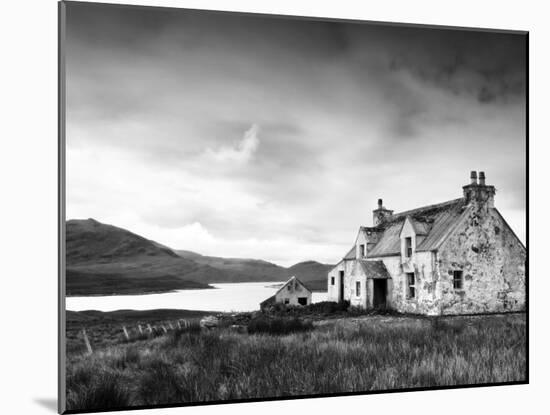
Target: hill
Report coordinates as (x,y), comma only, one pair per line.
(311,272)
(240,269)
(104,259)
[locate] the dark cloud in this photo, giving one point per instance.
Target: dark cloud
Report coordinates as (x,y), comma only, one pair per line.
(273,137)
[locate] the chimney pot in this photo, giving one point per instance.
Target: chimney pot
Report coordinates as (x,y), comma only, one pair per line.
(379,203)
(482,178)
(473,177)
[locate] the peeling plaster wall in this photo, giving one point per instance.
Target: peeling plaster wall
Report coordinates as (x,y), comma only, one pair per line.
(358,276)
(493,264)
(427,298)
(352,273)
(333,290)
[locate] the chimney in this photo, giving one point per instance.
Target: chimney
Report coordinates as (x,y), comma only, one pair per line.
(482,178)
(380,215)
(479,194)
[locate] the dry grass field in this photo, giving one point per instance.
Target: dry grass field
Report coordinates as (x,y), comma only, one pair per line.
(361,353)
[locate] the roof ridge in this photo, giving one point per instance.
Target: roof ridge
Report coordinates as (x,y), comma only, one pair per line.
(427,207)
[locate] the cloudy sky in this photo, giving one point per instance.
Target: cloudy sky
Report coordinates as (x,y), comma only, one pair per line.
(273,138)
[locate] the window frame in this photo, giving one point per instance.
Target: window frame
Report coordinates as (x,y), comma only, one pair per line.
(362,250)
(408,246)
(358,288)
(459,272)
(411,288)
(332,281)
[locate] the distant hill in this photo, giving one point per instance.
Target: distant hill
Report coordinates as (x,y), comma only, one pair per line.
(259,270)
(239,269)
(310,270)
(104,259)
(89,241)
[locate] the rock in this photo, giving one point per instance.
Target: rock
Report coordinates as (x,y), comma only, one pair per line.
(238,328)
(209,322)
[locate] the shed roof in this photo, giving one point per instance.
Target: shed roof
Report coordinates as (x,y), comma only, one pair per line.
(374,269)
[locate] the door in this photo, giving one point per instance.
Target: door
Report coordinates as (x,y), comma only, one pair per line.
(341,290)
(380,291)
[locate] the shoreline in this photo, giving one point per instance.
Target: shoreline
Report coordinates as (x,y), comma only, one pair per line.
(173,290)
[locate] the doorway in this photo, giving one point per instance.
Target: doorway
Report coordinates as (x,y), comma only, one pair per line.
(341,291)
(380,291)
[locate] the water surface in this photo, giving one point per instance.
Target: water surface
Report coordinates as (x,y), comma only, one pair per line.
(243,296)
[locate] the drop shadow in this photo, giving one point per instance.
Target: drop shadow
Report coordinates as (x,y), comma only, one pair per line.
(48,403)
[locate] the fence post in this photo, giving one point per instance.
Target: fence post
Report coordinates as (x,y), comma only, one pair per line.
(88,345)
(140,329)
(170,326)
(179,325)
(149,328)
(163,328)
(125,333)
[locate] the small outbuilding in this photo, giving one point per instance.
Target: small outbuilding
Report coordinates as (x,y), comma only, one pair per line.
(293,292)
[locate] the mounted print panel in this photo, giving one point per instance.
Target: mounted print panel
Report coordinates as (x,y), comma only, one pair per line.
(259,207)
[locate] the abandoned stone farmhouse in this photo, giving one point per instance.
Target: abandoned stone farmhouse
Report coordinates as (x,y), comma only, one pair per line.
(455,257)
(293,292)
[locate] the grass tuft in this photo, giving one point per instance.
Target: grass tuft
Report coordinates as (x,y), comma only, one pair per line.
(278,326)
(284,357)
(103,391)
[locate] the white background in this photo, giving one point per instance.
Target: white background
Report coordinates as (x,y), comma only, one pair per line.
(28,235)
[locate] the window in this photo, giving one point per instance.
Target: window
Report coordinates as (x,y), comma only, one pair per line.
(411,290)
(457,280)
(287,301)
(288,287)
(302,300)
(408,247)
(331,280)
(362,251)
(357,288)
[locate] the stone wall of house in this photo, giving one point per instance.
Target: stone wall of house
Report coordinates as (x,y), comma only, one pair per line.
(352,273)
(333,290)
(492,261)
(358,276)
(291,292)
(427,298)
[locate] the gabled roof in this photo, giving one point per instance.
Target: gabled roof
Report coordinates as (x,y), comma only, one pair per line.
(268,301)
(351,253)
(421,226)
(290,281)
(434,222)
(374,269)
